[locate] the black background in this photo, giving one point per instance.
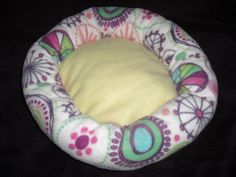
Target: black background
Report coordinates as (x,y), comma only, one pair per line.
(25,150)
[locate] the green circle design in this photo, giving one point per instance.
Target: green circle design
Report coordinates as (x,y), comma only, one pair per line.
(110,13)
(126,146)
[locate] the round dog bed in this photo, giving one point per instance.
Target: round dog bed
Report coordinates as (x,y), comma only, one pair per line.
(107,145)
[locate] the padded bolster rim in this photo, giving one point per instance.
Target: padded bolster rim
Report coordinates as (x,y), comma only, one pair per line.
(171,127)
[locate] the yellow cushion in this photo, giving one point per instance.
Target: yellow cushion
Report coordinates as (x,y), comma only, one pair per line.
(115,80)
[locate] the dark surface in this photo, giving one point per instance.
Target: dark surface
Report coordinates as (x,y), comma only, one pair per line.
(26,151)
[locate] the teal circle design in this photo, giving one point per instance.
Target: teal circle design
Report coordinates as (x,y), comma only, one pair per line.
(111,16)
(139,135)
(140,143)
(111,12)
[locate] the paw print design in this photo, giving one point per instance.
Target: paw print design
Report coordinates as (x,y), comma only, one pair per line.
(148,15)
(82,141)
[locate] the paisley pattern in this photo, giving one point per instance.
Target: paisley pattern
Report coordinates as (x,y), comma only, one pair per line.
(140,143)
(42,111)
(181,37)
(108,145)
(111,16)
(58,44)
(189,77)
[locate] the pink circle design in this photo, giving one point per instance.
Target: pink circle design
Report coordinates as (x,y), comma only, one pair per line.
(89,15)
(93,140)
(84,129)
(73,135)
(165,111)
(82,141)
(176,138)
(88,151)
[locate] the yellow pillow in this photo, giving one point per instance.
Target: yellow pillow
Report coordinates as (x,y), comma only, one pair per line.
(115,80)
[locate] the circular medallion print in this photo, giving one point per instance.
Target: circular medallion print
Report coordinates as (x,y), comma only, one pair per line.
(140,143)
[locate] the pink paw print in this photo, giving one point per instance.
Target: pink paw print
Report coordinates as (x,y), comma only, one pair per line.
(147,15)
(82,141)
(89,15)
